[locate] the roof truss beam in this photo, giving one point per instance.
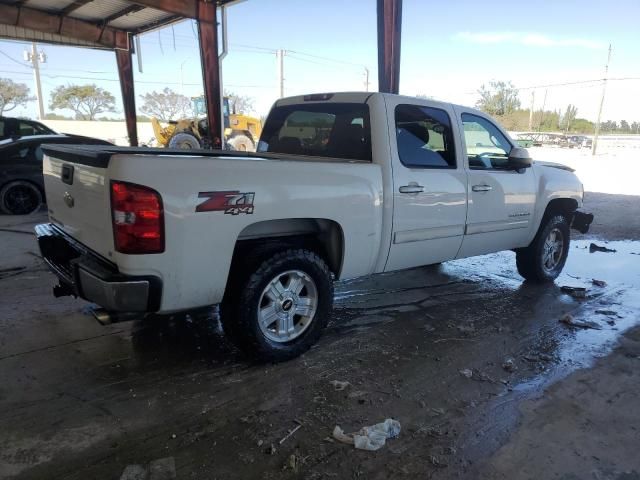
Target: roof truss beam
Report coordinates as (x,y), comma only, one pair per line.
(68,27)
(184,8)
(122,13)
(76,4)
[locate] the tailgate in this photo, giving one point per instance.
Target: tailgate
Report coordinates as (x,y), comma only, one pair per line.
(78,197)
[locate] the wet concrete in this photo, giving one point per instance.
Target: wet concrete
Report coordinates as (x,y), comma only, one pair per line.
(78,400)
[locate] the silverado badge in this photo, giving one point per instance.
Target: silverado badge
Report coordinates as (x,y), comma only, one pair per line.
(230,202)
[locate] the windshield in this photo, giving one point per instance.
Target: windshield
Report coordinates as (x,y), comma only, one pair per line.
(337,130)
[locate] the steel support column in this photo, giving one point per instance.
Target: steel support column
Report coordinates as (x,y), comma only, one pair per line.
(208,36)
(389,29)
(125,72)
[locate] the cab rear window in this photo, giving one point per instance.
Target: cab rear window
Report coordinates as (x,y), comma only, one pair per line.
(334,130)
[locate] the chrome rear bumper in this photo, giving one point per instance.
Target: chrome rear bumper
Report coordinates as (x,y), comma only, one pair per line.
(85,274)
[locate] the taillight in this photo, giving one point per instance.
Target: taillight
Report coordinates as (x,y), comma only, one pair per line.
(138,218)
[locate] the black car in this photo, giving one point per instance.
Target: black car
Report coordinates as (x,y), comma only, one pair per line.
(17,127)
(21,180)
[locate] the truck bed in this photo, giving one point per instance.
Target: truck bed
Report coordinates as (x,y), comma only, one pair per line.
(99,155)
(273,191)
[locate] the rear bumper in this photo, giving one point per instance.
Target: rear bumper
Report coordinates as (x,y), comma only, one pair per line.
(85,274)
(581,221)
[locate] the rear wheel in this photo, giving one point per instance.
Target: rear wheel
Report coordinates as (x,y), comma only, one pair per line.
(544,259)
(20,198)
(184,140)
(278,309)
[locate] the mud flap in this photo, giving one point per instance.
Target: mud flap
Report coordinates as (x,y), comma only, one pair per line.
(582,221)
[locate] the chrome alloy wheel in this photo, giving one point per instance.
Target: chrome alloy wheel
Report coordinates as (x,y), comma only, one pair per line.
(552,250)
(287,306)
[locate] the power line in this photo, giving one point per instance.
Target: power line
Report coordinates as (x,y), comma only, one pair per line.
(14,60)
(270,50)
(148,82)
(566,84)
(333,60)
(293,57)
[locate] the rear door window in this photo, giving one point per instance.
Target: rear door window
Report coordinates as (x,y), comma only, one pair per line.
(424,137)
(27,128)
(337,130)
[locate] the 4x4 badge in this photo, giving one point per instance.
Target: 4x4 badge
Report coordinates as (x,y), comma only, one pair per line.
(230,202)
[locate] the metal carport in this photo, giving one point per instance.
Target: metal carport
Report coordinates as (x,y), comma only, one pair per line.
(113,24)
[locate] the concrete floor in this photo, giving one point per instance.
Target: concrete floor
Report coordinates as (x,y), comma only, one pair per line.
(173,399)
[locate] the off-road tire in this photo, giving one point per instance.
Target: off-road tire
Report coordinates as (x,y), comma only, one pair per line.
(239,310)
(241,143)
(184,141)
(31,194)
(529,260)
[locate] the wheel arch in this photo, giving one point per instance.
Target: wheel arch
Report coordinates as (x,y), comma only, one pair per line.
(563,206)
(323,236)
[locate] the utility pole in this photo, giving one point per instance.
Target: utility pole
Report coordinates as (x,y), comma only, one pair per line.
(182,76)
(604,90)
(533,97)
(544,104)
(35,60)
(366,79)
(280,65)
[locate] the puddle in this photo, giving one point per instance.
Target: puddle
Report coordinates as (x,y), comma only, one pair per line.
(360,302)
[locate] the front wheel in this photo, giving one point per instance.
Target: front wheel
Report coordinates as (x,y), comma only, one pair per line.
(544,258)
(241,143)
(278,311)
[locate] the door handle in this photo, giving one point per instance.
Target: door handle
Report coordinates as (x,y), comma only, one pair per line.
(482,188)
(411,188)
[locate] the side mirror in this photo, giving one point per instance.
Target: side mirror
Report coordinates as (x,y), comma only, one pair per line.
(519,158)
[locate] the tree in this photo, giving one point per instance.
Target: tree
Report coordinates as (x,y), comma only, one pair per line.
(569,116)
(166,105)
(517,121)
(499,99)
(12,95)
(624,126)
(87,101)
(549,121)
(582,125)
(56,116)
(239,103)
(635,127)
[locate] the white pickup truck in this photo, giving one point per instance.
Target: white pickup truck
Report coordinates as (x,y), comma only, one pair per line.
(343,185)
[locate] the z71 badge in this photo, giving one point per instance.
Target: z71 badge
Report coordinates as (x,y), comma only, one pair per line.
(231,203)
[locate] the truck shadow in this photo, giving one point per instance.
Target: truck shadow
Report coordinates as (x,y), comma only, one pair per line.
(411,298)
(182,339)
(461,299)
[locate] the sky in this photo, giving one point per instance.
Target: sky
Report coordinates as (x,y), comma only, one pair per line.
(449,49)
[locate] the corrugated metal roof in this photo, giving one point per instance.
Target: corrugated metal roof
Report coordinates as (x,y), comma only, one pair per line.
(133,21)
(99,23)
(18,33)
(46,5)
(98,9)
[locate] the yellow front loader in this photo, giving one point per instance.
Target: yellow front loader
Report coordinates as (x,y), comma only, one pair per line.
(241,132)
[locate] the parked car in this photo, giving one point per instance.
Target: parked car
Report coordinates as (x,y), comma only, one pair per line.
(580,141)
(18,127)
(343,185)
(21,181)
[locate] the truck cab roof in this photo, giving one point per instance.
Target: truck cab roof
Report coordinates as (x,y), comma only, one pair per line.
(360,97)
